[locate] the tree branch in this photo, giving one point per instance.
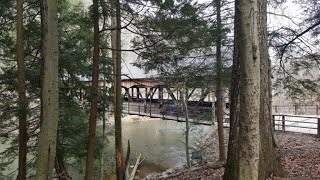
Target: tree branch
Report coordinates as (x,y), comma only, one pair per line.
(297,36)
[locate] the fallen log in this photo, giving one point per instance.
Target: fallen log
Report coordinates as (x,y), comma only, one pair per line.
(134,170)
(208,166)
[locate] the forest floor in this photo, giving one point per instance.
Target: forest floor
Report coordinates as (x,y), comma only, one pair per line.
(299,155)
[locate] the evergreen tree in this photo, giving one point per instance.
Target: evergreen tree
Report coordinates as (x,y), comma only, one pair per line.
(23,104)
(75,32)
(251,153)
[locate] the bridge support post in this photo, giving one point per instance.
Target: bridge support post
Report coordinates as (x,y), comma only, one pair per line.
(132,92)
(274,122)
(177,115)
(150,108)
(160,95)
(129,107)
(295,109)
(283,123)
(318,128)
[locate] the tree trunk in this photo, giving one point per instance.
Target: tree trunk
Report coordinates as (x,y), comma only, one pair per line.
(23,103)
(185,104)
(48,131)
(94,94)
(41,60)
(249,58)
(267,161)
(116,55)
(59,165)
(250,93)
(232,164)
(219,95)
(102,160)
(264,162)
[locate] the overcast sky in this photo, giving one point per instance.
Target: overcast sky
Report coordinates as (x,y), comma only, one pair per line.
(274,22)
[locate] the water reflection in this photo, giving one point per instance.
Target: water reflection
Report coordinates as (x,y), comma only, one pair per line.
(161,142)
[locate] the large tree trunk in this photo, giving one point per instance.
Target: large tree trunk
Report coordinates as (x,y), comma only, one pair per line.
(219,95)
(247,159)
(48,131)
(249,141)
(265,163)
(116,56)
(232,164)
(41,59)
(94,95)
(23,103)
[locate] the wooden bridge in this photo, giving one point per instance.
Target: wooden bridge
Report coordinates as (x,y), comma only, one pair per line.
(158,99)
(197,115)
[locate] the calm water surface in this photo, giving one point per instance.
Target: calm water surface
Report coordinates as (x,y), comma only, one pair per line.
(160,142)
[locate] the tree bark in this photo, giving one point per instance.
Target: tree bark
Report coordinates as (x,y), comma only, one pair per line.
(116,55)
(59,165)
(219,95)
(232,164)
(48,130)
(185,104)
(102,160)
(266,162)
(41,59)
(249,59)
(250,91)
(94,94)
(23,102)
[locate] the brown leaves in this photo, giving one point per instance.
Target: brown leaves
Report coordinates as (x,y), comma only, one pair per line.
(299,155)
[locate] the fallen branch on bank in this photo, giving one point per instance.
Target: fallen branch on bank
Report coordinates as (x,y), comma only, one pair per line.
(215,165)
(134,170)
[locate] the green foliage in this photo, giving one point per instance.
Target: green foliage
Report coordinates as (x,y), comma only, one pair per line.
(297,47)
(172,36)
(75,53)
(176,39)
(6,27)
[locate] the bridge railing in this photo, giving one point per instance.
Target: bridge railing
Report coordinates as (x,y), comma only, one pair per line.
(297,123)
(309,124)
(167,111)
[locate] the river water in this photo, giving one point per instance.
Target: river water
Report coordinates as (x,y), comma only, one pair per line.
(160,142)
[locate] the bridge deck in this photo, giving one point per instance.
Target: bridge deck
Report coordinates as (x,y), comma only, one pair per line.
(169,112)
(167,117)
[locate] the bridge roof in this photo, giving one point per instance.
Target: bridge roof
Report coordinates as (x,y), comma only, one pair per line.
(142,82)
